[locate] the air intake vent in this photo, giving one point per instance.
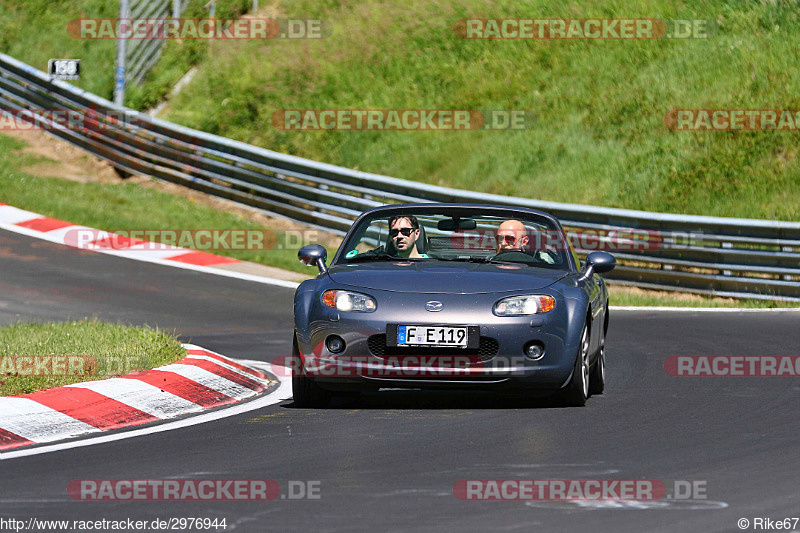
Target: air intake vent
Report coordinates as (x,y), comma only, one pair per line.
(377,346)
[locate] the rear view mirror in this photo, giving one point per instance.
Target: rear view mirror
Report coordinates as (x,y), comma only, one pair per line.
(456,223)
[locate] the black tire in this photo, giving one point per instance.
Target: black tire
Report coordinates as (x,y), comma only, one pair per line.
(597,378)
(577,390)
(305,392)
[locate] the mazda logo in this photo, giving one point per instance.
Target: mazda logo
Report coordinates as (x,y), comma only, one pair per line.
(434,306)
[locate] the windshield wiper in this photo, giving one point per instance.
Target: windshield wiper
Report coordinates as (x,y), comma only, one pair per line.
(474,259)
(483,260)
(380,256)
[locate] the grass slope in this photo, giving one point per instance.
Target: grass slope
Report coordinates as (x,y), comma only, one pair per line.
(599,136)
(34,31)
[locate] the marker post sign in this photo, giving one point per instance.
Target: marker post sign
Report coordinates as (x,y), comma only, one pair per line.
(64,69)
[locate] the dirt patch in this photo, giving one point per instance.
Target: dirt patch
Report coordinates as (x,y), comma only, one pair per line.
(67,161)
(676,296)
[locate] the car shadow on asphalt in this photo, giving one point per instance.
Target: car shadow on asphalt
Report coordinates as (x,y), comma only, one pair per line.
(416,399)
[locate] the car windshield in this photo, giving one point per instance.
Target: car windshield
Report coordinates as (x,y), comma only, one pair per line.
(459,236)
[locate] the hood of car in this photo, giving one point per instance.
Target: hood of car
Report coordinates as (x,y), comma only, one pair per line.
(446,278)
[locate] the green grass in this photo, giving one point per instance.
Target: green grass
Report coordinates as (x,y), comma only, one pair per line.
(129,206)
(108,350)
(625,296)
(599,137)
(179,56)
(35,31)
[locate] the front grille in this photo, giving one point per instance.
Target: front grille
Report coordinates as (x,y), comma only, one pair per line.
(488,348)
(377,346)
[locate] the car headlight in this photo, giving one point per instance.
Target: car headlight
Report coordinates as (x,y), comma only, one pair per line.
(524,305)
(349,301)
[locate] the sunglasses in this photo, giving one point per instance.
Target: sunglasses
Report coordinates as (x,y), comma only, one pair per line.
(506,239)
(405,231)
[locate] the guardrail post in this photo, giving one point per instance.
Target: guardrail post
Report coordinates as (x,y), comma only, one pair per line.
(119,67)
(212,8)
(787,277)
(727,245)
(324,187)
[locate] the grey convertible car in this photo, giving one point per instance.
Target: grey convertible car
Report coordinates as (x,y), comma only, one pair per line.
(451,295)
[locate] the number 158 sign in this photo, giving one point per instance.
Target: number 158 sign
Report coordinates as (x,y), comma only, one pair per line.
(64,69)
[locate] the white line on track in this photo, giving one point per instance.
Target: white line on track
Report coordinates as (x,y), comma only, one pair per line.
(706,309)
(149,259)
(283,392)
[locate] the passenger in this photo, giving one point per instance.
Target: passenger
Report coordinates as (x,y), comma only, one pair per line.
(404,232)
(511,236)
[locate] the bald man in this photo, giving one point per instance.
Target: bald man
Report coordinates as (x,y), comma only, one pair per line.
(511,235)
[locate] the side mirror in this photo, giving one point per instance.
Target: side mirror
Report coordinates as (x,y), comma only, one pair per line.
(599,262)
(314,254)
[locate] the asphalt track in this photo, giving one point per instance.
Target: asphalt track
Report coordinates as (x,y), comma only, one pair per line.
(390,461)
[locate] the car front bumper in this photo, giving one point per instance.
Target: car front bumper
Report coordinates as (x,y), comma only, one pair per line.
(499,363)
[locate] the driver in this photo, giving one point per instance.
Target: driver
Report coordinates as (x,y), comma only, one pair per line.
(404,232)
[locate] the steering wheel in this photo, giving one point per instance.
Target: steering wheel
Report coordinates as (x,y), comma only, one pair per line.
(518,256)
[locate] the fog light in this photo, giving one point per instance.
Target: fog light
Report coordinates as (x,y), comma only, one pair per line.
(534,350)
(335,344)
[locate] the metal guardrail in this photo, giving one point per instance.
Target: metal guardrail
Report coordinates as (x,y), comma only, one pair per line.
(710,255)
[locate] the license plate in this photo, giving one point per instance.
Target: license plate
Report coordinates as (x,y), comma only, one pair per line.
(432,336)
